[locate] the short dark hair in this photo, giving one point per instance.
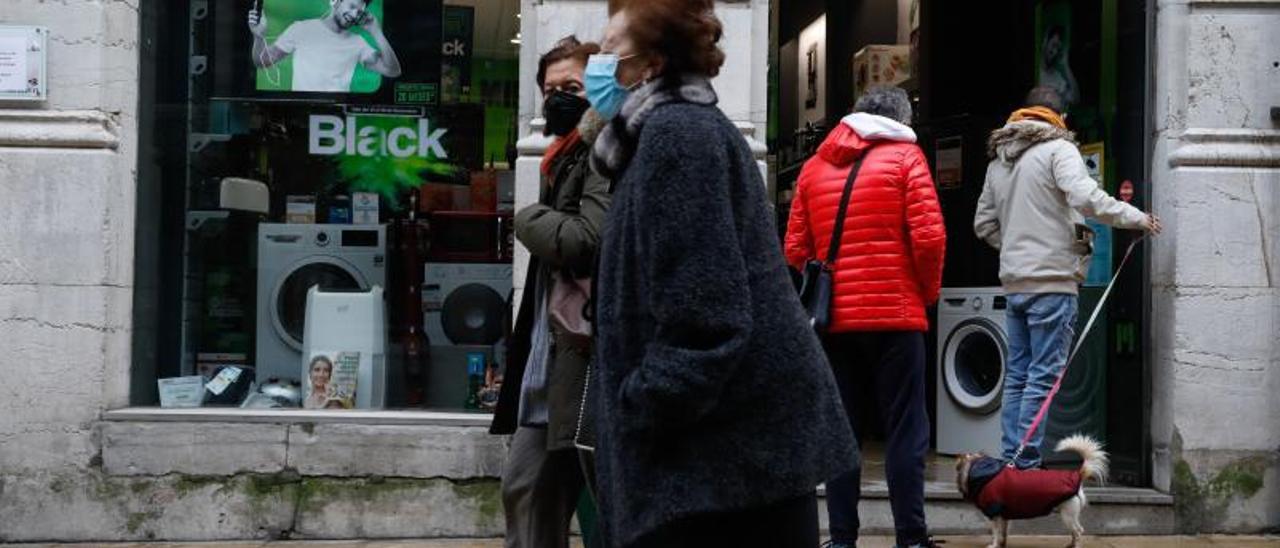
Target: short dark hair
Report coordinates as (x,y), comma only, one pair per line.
(1047,97)
(566,48)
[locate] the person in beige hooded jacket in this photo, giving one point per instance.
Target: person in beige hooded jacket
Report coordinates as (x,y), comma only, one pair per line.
(1033,205)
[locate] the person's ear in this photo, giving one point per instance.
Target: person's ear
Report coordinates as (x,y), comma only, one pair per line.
(655,67)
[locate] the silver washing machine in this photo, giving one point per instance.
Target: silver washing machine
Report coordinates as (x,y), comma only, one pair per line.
(972,348)
(464,309)
(291,259)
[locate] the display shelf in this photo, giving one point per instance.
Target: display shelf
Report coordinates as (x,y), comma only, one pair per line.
(299,416)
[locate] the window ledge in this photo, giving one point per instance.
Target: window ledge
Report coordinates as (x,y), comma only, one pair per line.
(299,416)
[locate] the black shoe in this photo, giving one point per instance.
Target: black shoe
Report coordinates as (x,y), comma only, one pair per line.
(834,544)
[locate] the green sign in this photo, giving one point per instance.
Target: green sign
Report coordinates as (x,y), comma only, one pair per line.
(417,94)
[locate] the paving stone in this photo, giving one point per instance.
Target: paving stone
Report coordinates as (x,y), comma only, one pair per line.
(1015,541)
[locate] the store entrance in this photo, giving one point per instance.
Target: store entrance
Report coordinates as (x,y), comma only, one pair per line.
(966,69)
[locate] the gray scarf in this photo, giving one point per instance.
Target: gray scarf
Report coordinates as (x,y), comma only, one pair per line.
(616,145)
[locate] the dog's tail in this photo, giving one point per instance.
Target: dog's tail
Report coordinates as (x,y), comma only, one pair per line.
(1096,462)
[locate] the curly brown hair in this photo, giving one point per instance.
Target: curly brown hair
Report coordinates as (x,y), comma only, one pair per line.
(683,32)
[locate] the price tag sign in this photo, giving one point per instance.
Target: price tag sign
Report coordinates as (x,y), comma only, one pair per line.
(22,63)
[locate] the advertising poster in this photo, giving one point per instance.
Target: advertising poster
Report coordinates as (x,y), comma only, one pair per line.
(346,149)
(1053,50)
(1100,268)
(349,51)
(456,52)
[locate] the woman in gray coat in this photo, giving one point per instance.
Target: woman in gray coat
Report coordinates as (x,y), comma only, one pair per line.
(717,413)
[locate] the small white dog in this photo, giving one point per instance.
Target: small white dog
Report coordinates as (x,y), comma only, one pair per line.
(1004,493)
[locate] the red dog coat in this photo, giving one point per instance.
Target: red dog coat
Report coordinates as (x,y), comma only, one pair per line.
(1010,493)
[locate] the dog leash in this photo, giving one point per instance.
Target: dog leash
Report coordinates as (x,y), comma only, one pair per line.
(1088,326)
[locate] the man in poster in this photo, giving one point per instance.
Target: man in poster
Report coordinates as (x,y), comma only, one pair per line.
(326,50)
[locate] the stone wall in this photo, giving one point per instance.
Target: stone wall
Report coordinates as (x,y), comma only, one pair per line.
(1215,292)
(227,481)
(66,244)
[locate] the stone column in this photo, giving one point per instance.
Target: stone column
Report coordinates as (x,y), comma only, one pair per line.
(742,83)
(1215,302)
(66,239)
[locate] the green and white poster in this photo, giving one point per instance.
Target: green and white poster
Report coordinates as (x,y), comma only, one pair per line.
(303,30)
(387,51)
(457,34)
(1053,50)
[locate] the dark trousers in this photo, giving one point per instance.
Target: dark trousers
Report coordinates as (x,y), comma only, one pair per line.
(540,490)
(791,523)
(888,366)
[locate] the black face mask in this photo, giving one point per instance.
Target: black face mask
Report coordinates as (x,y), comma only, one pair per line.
(563,111)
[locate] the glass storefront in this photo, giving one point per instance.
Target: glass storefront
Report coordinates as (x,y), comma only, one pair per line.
(965,71)
(326,201)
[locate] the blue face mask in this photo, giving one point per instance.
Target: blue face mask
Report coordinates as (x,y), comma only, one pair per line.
(603,90)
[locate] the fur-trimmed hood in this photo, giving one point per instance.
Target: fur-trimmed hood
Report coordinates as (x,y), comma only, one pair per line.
(1009,142)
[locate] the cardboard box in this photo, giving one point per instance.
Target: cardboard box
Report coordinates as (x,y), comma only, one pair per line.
(300,210)
(877,65)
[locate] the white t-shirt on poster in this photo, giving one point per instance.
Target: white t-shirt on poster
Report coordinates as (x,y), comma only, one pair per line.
(323,60)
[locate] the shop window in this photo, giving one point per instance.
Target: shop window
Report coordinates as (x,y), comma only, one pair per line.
(965,71)
(325,203)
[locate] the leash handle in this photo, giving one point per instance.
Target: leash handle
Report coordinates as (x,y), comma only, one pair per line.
(1044,407)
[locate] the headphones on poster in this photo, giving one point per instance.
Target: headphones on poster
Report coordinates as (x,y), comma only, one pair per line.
(272,72)
(364,15)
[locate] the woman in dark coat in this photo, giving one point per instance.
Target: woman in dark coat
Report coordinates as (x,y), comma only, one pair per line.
(717,412)
(546,369)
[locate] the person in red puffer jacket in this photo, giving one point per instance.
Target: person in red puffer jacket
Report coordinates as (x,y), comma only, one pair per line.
(888,270)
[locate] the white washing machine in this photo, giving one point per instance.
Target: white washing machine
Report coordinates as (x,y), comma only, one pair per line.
(464,309)
(292,258)
(972,348)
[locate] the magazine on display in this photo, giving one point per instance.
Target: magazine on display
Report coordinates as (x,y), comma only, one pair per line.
(330,380)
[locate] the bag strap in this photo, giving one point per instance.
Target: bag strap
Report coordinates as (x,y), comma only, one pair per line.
(838,232)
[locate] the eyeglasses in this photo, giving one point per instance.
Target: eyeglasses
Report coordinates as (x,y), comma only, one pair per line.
(621,58)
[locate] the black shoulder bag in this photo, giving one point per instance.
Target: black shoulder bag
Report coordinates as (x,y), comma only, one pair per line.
(817,283)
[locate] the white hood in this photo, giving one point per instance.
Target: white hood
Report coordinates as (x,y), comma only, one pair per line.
(871,127)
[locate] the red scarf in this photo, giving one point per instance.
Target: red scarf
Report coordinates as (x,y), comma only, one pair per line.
(560,146)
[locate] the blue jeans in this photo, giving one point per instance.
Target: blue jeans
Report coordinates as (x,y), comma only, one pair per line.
(1041,328)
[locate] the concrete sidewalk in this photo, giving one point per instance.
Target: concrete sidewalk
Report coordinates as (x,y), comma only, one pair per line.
(870,542)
